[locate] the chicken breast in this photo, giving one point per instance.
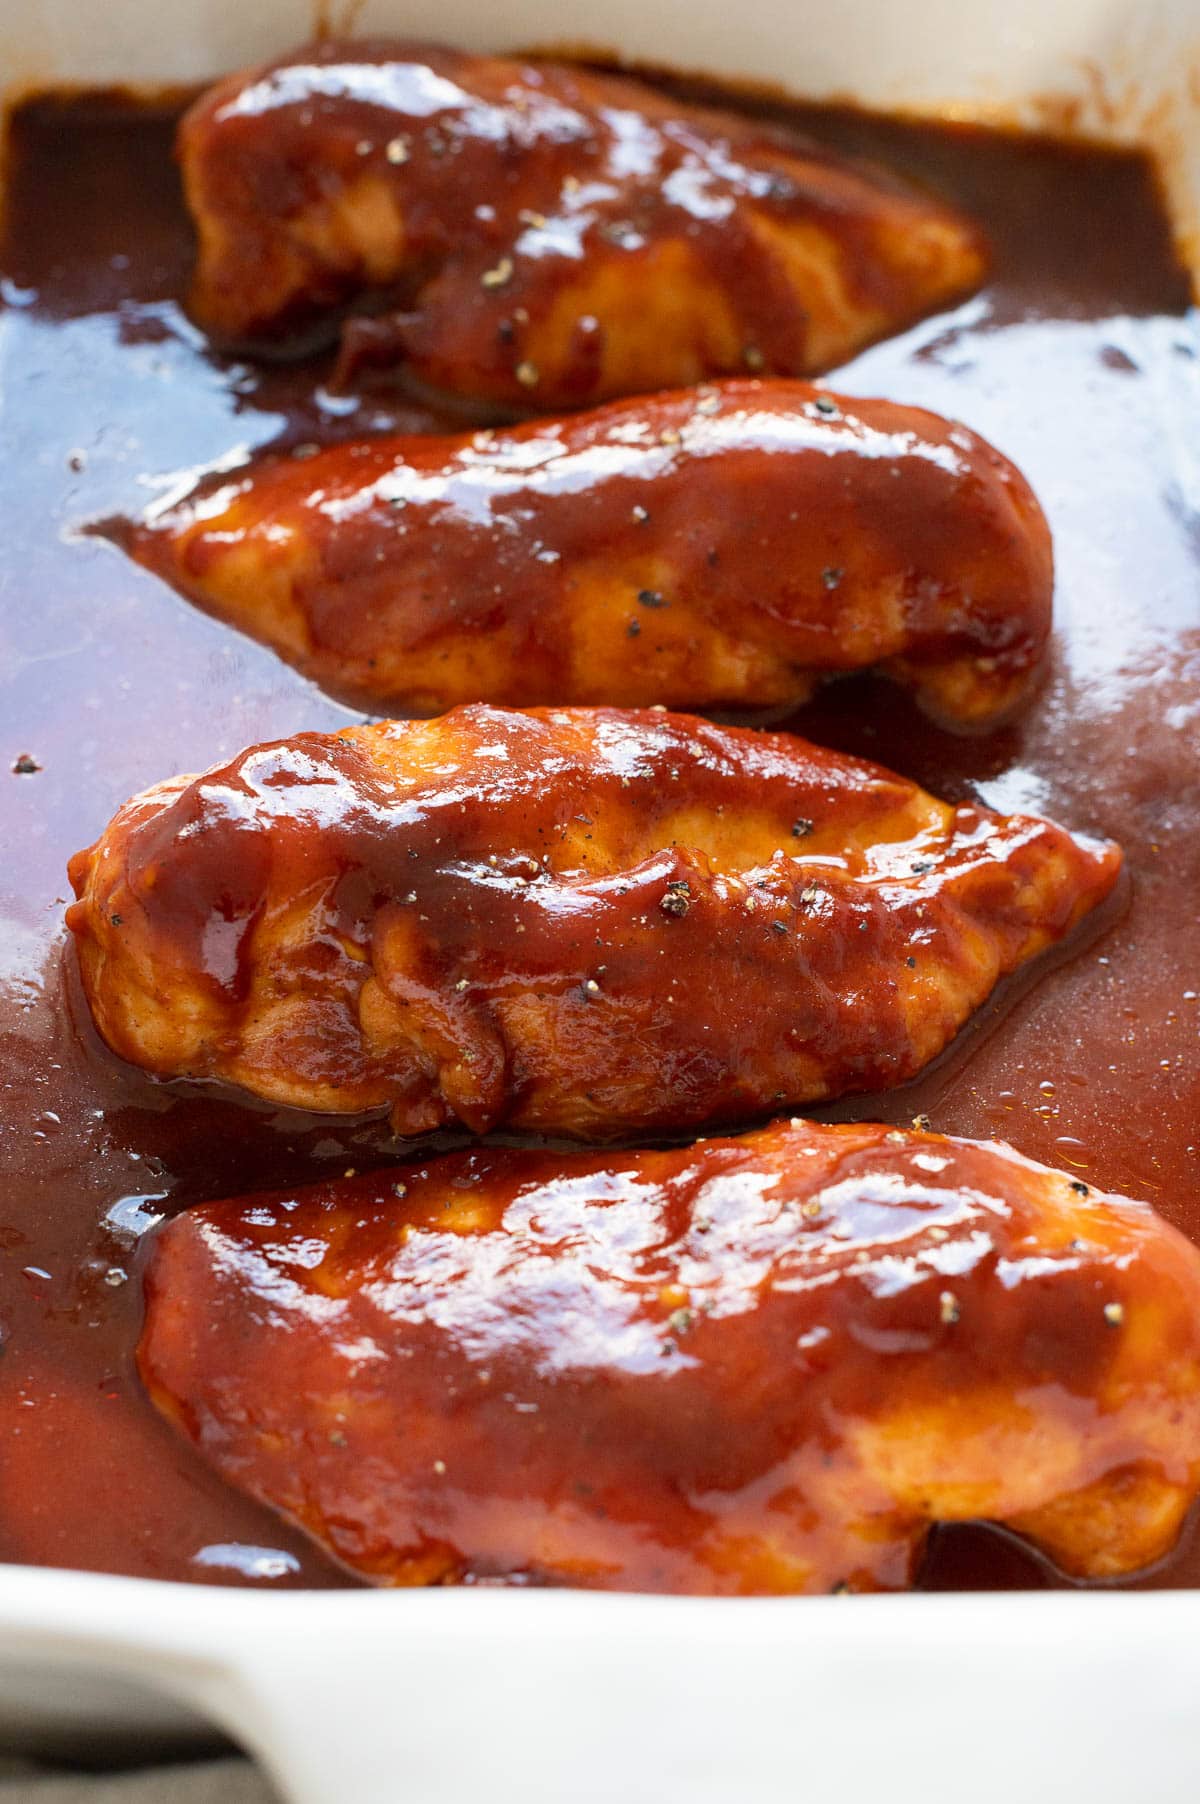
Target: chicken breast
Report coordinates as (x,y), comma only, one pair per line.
(585,922)
(713,548)
(756,1365)
(544,237)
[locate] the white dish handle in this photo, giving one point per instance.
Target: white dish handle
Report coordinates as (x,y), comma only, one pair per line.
(446,1697)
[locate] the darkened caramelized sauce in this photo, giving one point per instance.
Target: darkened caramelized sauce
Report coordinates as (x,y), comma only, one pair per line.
(1079,360)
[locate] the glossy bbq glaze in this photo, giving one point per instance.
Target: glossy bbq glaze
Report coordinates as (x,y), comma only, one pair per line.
(591,922)
(757,1365)
(753,537)
(542,237)
(1077,361)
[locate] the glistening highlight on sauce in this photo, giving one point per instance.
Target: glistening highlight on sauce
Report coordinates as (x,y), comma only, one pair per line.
(1078,360)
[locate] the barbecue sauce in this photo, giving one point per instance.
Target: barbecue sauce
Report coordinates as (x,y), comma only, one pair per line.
(1078,359)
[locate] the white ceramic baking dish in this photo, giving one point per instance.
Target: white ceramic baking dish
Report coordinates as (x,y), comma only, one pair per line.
(556,1697)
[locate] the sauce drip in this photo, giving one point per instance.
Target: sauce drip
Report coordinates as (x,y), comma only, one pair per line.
(1079,360)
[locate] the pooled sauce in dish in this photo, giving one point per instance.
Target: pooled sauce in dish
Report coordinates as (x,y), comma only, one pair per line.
(1079,360)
